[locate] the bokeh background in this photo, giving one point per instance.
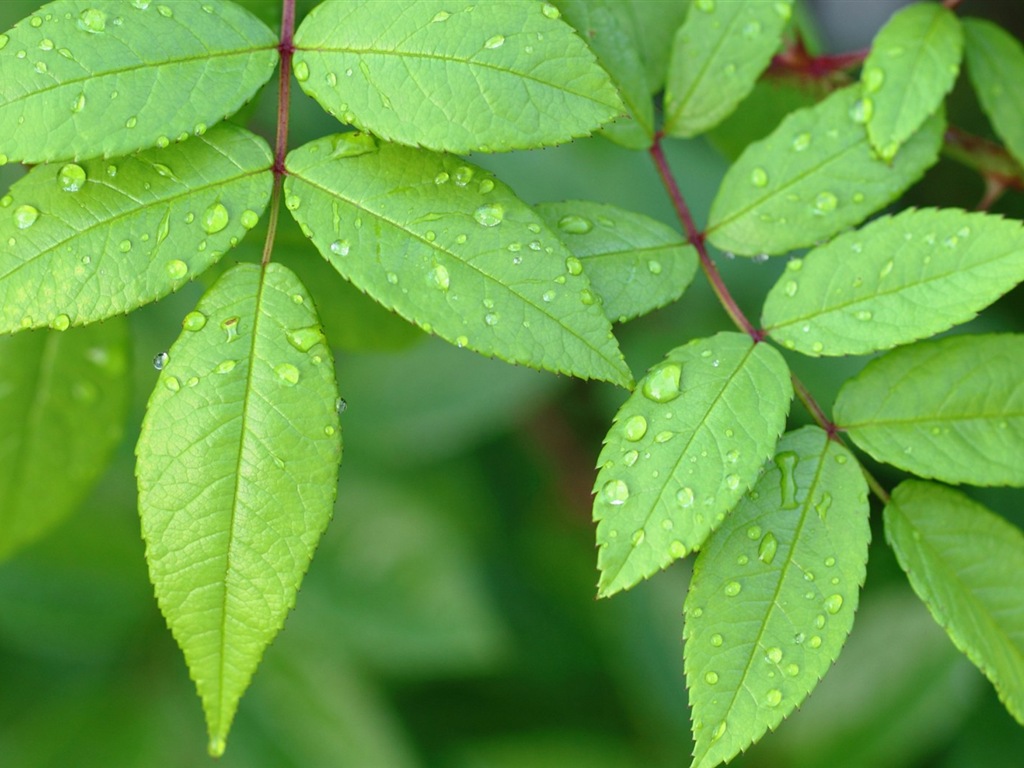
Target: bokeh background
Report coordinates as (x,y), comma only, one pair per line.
(448,618)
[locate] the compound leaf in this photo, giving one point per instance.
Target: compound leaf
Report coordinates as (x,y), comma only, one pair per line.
(96,239)
(63,400)
(897,280)
(237,471)
(448,247)
(454,75)
(108,78)
(913,63)
(815,175)
(951,409)
(635,264)
(717,56)
(682,451)
(773,594)
(995,64)
(965,562)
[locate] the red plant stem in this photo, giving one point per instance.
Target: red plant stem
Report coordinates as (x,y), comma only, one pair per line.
(286,48)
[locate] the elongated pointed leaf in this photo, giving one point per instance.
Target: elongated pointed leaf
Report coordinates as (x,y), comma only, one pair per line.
(717,56)
(965,563)
(995,64)
(454,74)
(814,176)
(85,78)
(951,409)
(913,63)
(237,470)
(773,594)
(88,241)
(895,281)
(450,248)
(63,400)
(682,451)
(635,264)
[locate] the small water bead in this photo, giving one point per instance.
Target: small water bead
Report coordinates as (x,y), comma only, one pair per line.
(773,655)
(111,170)
(664,436)
(463,175)
(574,265)
(587,296)
(733,588)
(495,42)
(6,201)
(171,383)
(4,39)
(886,269)
(214,219)
(717,640)
(825,202)
(440,16)
(732,482)
(176,269)
(491,318)
(615,492)
(489,215)
(801,142)
(288,374)
(131,122)
(550,11)
(61,322)
(124,246)
(773,698)
(441,178)
(340,247)
(439,277)
(662,384)
(759,177)
(830,562)
(25,216)
(92,20)
(638,537)
(194,321)
(707,6)
(754,532)
(575,225)
(71,177)
(230,328)
(814,642)
(548,296)
(711,678)
(160,361)
(301,71)
(304,339)
(819,621)
(792,670)
(833,604)
(629,458)
(823,505)
(249,219)
(862,110)
(767,548)
(635,428)
(164,11)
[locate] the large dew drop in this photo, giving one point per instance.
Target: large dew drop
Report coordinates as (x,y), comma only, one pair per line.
(489,215)
(25,216)
(575,225)
(662,384)
(304,339)
(214,219)
(288,374)
(92,20)
(615,492)
(71,177)
(635,428)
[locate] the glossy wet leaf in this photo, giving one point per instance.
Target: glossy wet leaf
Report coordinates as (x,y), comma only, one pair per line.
(896,280)
(995,64)
(951,409)
(237,470)
(105,78)
(634,263)
(454,75)
(813,177)
(965,563)
(683,449)
(717,56)
(773,594)
(63,401)
(913,63)
(452,249)
(90,240)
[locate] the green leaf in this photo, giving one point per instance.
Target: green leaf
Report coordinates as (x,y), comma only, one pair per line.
(635,264)
(237,470)
(965,563)
(92,240)
(717,56)
(450,248)
(453,74)
(63,400)
(655,24)
(682,451)
(951,409)
(897,280)
(913,64)
(108,78)
(814,176)
(773,594)
(995,64)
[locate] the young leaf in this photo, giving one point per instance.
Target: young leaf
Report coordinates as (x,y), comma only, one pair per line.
(109,78)
(450,248)
(682,451)
(965,563)
(897,280)
(656,25)
(63,399)
(635,264)
(454,75)
(717,56)
(913,63)
(949,409)
(92,240)
(773,594)
(995,64)
(237,470)
(812,177)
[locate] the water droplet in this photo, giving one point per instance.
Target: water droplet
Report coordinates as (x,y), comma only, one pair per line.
(495,42)
(463,175)
(171,383)
(574,265)
(25,216)
(304,339)
(717,640)
(886,269)
(230,327)
(301,71)
(161,360)
(92,20)
(662,384)
(489,215)
(872,79)
(439,277)
(124,246)
(194,321)
(814,642)
(635,428)
(759,177)
(225,366)
(214,219)
(825,202)
(774,655)
(548,296)
(767,549)
(615,492)
(71,177)
(791,287)
(629,458)
(711,678)
(830,562)
(167,13)
(441,16)
(733,588)
(288,374)
(664,436)
(491,318)
(550,11)
(575,225)
(823,504)
(801,142)
(786,462)
(441,178)
(61,322)
(340,247)
(754,532)
(719,732)
(4,39)
(732,482)
(862,110)
(638,537)
(773,698)
(249,219)
(176,269)
(705,5)
(833,603)
(6,201)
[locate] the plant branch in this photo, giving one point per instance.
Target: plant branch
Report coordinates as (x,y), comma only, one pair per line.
(286,48)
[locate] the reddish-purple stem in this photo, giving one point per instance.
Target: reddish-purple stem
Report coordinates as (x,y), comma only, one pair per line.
(286,48)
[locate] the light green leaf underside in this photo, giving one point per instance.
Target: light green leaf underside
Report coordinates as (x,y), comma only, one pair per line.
(995,64)
(814,176)
(951,409)
(656,25)
(237,470)
(898,279)
(913,63)
(88,78)
(683,449)
(608,28)
(635,264)
(773,594)
(91,240)
(717,56)
(63,399)
(965,563)
(454,75)
(452,249)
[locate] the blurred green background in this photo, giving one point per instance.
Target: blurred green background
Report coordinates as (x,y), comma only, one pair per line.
(448,618)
